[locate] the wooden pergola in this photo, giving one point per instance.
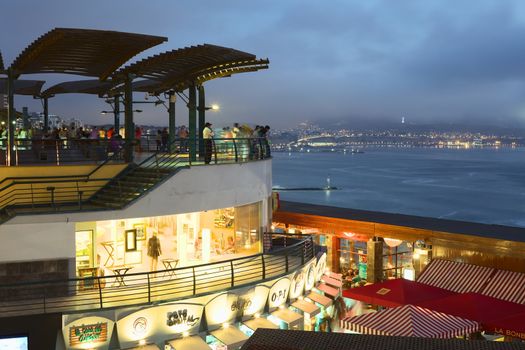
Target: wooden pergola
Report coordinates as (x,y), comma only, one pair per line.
(86,52)
(188,68)
(99,53)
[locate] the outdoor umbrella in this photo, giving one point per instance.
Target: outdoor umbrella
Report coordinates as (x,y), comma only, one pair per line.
(474,306)
(396,292)
(410,321)
(513,326)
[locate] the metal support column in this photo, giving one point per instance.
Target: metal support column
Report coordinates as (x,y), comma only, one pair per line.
(129,126)
(46,114)
(171,119)
(192,122)
(202,118)
(116,114)
(11,118)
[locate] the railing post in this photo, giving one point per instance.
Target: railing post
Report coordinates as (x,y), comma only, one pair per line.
(286,257)
(263,267)
(214,145)
(233,274)
(32,197)
(149,289)
(194,282)
(303,253)
(100,292)
(58,152)
(235,150)
(45,300)
(52,190)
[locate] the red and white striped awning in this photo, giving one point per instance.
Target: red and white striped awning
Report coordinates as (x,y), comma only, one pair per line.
(454,276)
(410,321)
(506,285)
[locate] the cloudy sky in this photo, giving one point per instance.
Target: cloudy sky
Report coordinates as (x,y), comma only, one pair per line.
(428,61)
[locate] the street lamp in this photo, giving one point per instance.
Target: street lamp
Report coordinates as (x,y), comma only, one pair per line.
(213,107)
(111,112)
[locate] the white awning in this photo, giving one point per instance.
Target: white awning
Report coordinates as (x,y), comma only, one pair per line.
(260,322)
(289,317)
(319,299)
(307,307)
(188,343)
(231,337)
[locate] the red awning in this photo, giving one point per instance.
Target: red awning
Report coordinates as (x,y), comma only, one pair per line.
(455,276)
(396,292)
(506,285)
(474,306)
(512,326)
(410,321)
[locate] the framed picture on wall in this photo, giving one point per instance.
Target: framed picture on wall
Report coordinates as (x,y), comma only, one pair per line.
(131,240)
(141,231)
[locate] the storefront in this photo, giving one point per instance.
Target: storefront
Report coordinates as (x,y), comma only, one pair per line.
(165,242)
(348,253)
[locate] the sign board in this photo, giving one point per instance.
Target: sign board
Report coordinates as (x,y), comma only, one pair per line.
(297,285)
(320,267)
(254,301)
(279,293)
(155,324)
(91,332)
(222,309)
(309,280)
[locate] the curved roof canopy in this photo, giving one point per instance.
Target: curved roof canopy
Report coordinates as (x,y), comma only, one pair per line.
(23,87)
(88,52)
(178,69)
(94,86)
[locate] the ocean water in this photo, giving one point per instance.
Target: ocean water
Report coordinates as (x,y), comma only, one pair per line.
(479,185)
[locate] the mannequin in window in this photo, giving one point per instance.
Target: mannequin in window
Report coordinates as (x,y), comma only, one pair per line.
(154,251)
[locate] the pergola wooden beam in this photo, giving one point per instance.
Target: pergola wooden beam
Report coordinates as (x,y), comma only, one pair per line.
(88,52)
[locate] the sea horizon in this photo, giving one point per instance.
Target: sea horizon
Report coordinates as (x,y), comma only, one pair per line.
(482,185)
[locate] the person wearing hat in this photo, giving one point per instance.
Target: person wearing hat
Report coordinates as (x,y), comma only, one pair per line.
(207,135)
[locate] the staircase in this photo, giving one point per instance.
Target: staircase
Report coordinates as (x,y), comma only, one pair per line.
(119,192)
(134,182)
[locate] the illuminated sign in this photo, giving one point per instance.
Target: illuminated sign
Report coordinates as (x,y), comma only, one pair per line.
(140,326)
(257,301)
(181,318)
(241,304)
(279,292)
(157,323)
(297,286)
(510,333)
(222,309)
(91,333)
(310,277)
(320,268)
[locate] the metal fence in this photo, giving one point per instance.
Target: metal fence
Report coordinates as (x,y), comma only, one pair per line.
(71,193)
(104,292)
(93,151)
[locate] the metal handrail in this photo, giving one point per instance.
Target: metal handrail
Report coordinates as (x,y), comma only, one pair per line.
(106,292)
(166,162)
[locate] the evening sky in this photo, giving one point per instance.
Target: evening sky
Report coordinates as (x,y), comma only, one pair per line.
(428,61)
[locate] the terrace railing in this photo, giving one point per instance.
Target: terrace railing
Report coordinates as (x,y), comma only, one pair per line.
(87,192)
(105,292)
(93,151)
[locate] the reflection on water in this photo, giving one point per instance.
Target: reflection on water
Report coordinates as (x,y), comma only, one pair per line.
(481,185)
